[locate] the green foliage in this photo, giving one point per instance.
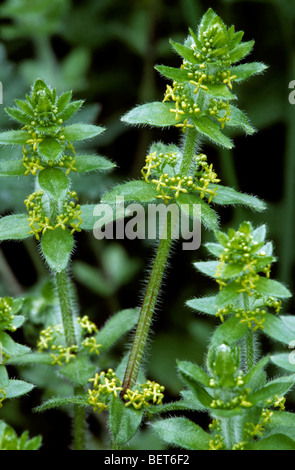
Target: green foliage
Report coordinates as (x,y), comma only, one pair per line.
(10,441)
(239,404)
(10,320)
(201,102)
(201,90)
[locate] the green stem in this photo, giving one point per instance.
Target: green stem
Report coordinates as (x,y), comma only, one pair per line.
(250,352)
(63,291)
(231,430)
(79,423)
(155,280)
(249,338)
(64,296)
(146,313)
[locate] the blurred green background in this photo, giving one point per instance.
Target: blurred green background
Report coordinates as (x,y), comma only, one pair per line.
(105,51)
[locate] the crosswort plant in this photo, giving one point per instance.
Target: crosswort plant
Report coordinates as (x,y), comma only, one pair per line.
(246,408)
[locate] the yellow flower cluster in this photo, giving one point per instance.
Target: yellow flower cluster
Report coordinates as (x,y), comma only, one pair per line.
(253,317)
(236,401)
(183,94)
(51,337)
(241,249)
(40,223)
(32,160)
(156,172)
(107,383)
(149,392)
(104,384)
(255,430)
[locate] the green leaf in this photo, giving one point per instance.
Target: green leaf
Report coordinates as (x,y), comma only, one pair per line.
(228,294)
(58,402)
(229,332)
(176,406)
(272,287)
(31,358)
(207,267)
(16,388)
(12,168)
(207,19)
(4,379)
(57,246)
(70,109)
(116,326)
(278,329)
(239,119)
(183,433)
(10,347)
(232,270)
(219,91)
(259,234)
(273,442)
(138,191)
(87,216)
(63,100)
(77,132)
(241,51)
(278,386)
(215,249)
(200,394)
(33,444)
(18,115)
(255,370)
(87,163)
(284,360)
(211,130)
(229,196)
(282,418)
(173,73)
(208,216)
(78,370)
(17,305)
(54,182)
(25,107)
(185,52)
(18,321)
(194,372)
(50,149)
(123,421)
(14,137)
(245,71)
(155,114)
(14,227)
(204,305)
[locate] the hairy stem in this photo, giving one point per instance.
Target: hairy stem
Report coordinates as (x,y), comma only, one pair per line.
(230,431)
(64,296)
(79,423)
(249,338)
(155,280)
(63,291)
(146,313)
(250,349)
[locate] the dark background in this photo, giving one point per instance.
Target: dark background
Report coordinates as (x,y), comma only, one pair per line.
(105,52)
